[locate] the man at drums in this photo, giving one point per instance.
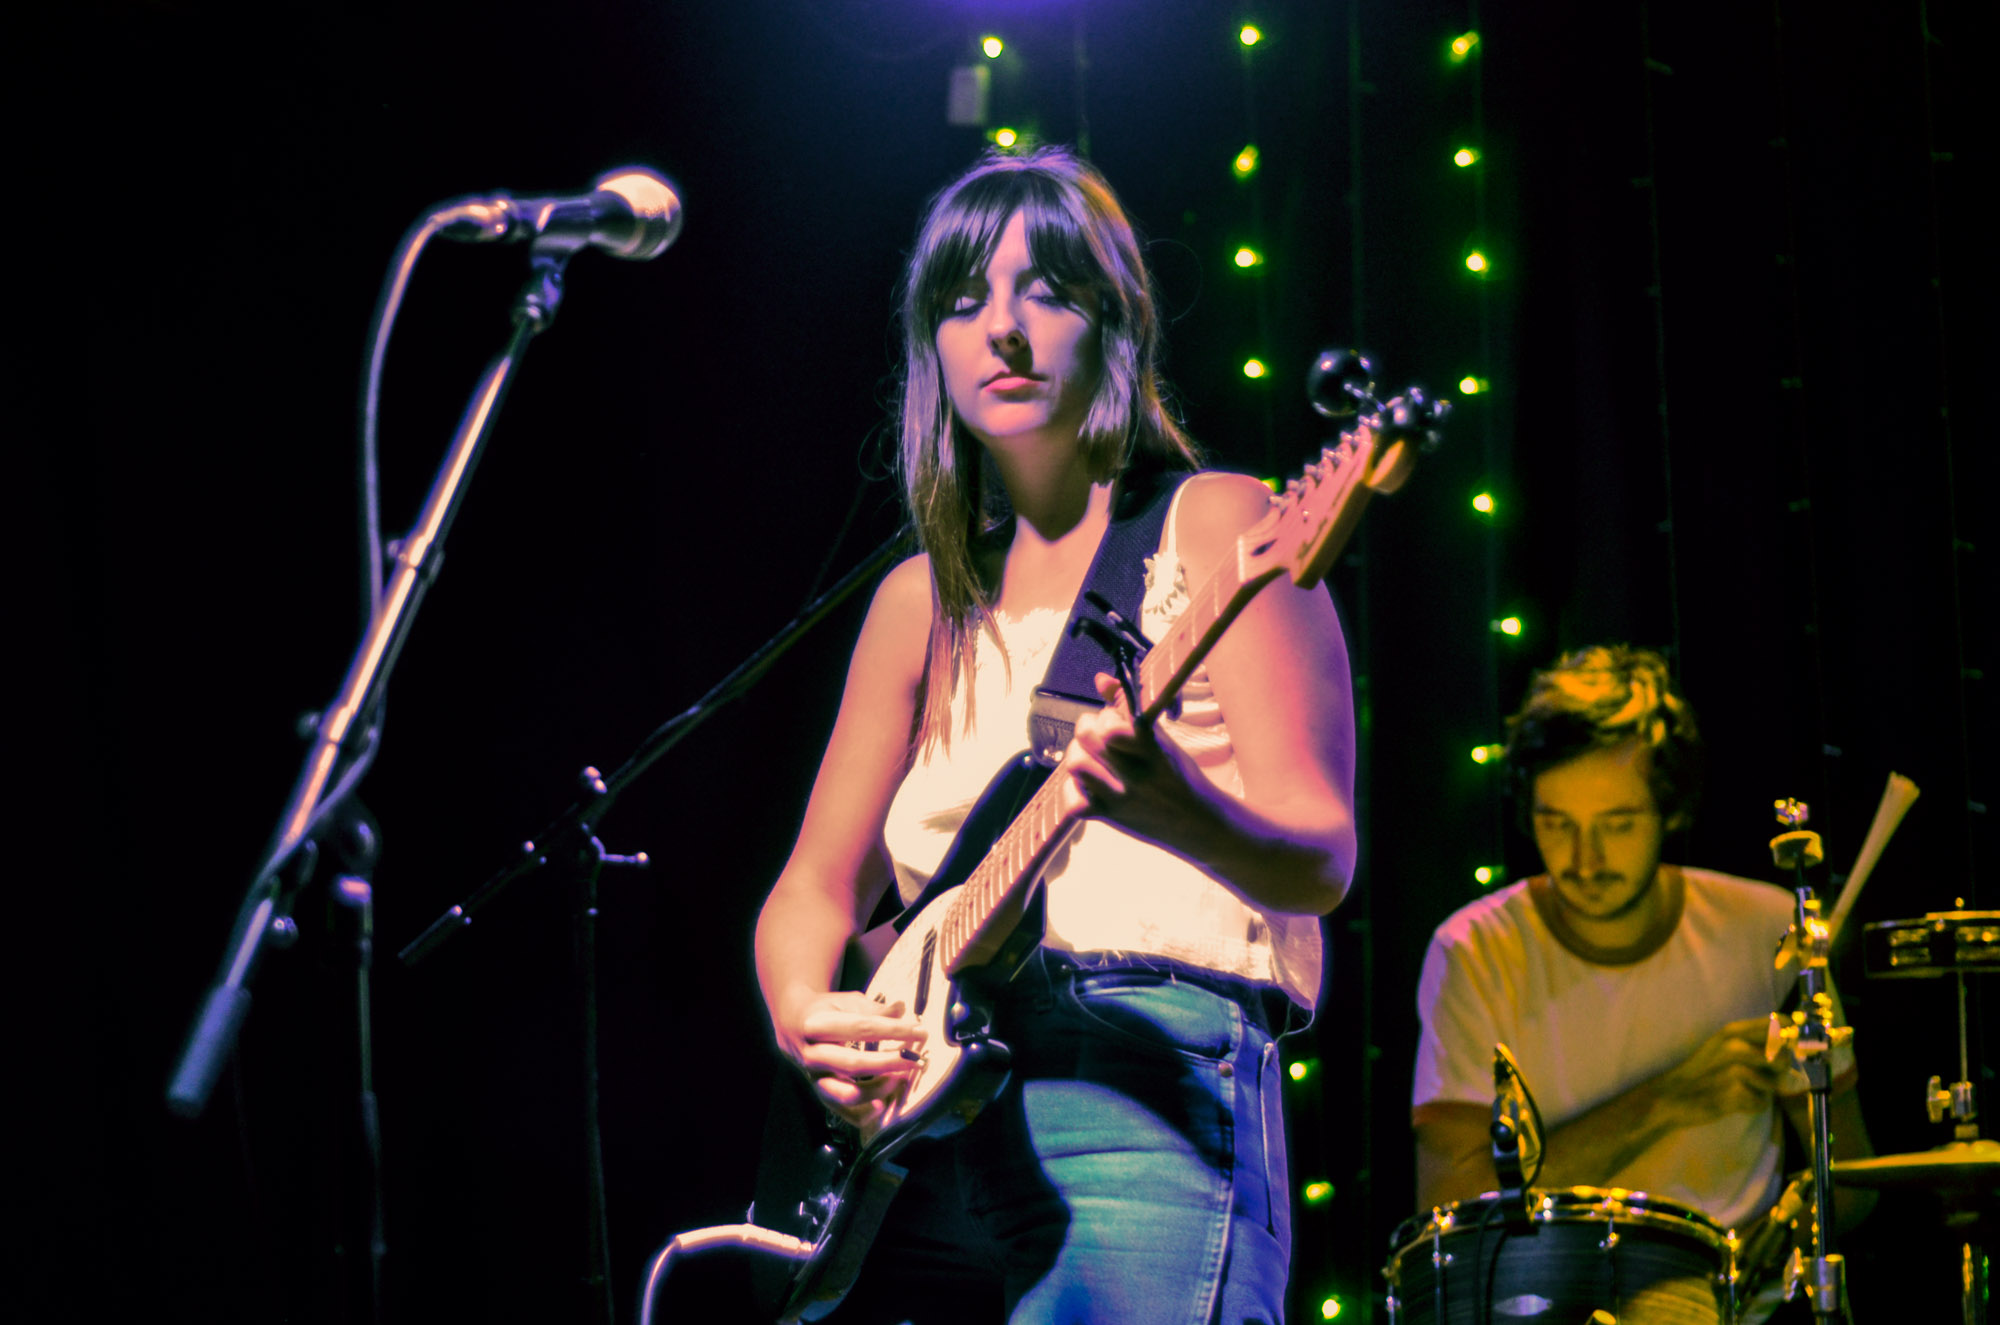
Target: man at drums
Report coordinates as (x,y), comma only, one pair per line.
(1634,994)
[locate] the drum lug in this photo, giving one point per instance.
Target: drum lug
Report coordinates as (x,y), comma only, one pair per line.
(1440,1225)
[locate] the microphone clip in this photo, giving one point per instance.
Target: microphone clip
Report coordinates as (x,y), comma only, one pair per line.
(1510,1121)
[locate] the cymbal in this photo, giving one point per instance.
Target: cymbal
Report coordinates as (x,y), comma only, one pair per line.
(1960,1166)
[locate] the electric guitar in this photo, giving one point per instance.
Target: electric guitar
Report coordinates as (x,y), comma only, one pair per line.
(966,933)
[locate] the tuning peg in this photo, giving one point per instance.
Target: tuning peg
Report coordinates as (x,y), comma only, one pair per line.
(1417,413)
(1341,382)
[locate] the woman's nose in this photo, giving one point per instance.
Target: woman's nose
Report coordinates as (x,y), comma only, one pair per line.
(1002,326)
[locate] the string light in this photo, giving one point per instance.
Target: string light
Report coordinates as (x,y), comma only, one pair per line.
(1475,262)
(1485,875)
(1486,754)
(1329,1308)
(1302,1069)
(1254,368)
(1249,257)
(1463,45)
(1508,625)
(1472,386)
(1464,157)
(1318,1193)
(1482,502)
(1250,36)
(992,46)
(1004,137)
(1246,162)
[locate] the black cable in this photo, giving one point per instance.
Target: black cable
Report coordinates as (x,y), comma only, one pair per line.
(1486,1270)
(401,265)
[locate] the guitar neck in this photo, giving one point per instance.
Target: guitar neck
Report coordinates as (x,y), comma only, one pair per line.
(989,904)
(1310,525)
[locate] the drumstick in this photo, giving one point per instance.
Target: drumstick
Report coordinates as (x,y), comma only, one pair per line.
(1896,800)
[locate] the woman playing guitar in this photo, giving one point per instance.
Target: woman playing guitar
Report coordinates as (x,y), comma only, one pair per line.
(1132,1169)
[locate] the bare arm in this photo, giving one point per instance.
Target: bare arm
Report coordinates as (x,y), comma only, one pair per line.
(1454,1162)
(1281,678)
(836,871)
(1727,1074)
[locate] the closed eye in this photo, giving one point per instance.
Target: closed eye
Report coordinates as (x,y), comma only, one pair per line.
(967,298)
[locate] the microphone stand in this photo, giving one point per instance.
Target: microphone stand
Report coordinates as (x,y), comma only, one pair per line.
(569,845)
(343,749)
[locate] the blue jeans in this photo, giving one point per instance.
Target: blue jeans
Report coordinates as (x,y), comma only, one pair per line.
(1132,1170)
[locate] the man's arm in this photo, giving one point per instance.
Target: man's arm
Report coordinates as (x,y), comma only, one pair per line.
(1727,1074)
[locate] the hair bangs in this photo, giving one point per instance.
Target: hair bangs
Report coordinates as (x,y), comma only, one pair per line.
(965,230)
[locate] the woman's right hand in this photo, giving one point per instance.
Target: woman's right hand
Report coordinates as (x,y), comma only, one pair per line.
(829,1036)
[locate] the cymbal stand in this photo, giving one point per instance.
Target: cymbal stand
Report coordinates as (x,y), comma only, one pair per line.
(1959,1100)
(1811,1037)
(1961,1209)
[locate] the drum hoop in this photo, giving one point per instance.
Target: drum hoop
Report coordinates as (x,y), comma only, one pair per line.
(1626,1208)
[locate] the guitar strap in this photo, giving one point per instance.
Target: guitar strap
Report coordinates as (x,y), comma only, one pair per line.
(1118,574)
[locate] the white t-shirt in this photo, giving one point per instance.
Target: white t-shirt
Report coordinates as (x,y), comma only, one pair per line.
(1108,892)
(1584,1032)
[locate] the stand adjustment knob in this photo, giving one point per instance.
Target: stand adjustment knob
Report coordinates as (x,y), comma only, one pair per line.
(1937,1100)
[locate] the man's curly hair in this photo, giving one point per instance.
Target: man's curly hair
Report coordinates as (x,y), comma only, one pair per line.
(1594,699)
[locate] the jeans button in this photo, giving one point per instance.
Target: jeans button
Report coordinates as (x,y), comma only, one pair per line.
(1229,1069)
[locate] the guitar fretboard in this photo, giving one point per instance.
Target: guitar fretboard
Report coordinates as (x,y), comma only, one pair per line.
(1014,861)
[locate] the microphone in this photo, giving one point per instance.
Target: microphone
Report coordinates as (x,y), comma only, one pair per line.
(631,213)
(1513,1131)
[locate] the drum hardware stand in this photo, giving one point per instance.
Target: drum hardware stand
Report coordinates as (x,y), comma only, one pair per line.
(1961,1212)
(1959,1102)
(1811,1037)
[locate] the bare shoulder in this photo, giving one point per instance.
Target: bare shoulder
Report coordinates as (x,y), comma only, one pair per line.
(1215,507)
(899,619)
(905,592)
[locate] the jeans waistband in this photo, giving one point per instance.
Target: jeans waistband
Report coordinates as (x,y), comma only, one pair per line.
(1265,1006)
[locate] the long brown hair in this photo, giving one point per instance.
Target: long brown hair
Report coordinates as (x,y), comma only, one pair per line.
(1080,239)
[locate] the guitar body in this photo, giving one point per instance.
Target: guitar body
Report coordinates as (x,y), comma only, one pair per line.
(837,1198)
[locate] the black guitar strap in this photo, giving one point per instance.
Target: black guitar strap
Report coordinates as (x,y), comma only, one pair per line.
(1118,574)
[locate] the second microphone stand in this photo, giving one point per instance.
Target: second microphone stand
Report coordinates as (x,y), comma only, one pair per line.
(569,848)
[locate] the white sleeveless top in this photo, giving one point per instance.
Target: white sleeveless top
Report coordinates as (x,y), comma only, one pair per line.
(1108,892)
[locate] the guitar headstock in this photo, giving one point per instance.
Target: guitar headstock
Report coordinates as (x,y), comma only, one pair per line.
(1314,516)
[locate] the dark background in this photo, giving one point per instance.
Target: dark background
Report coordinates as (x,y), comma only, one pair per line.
(1730,336)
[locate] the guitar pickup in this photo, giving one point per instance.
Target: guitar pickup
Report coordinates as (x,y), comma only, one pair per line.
(924,980)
